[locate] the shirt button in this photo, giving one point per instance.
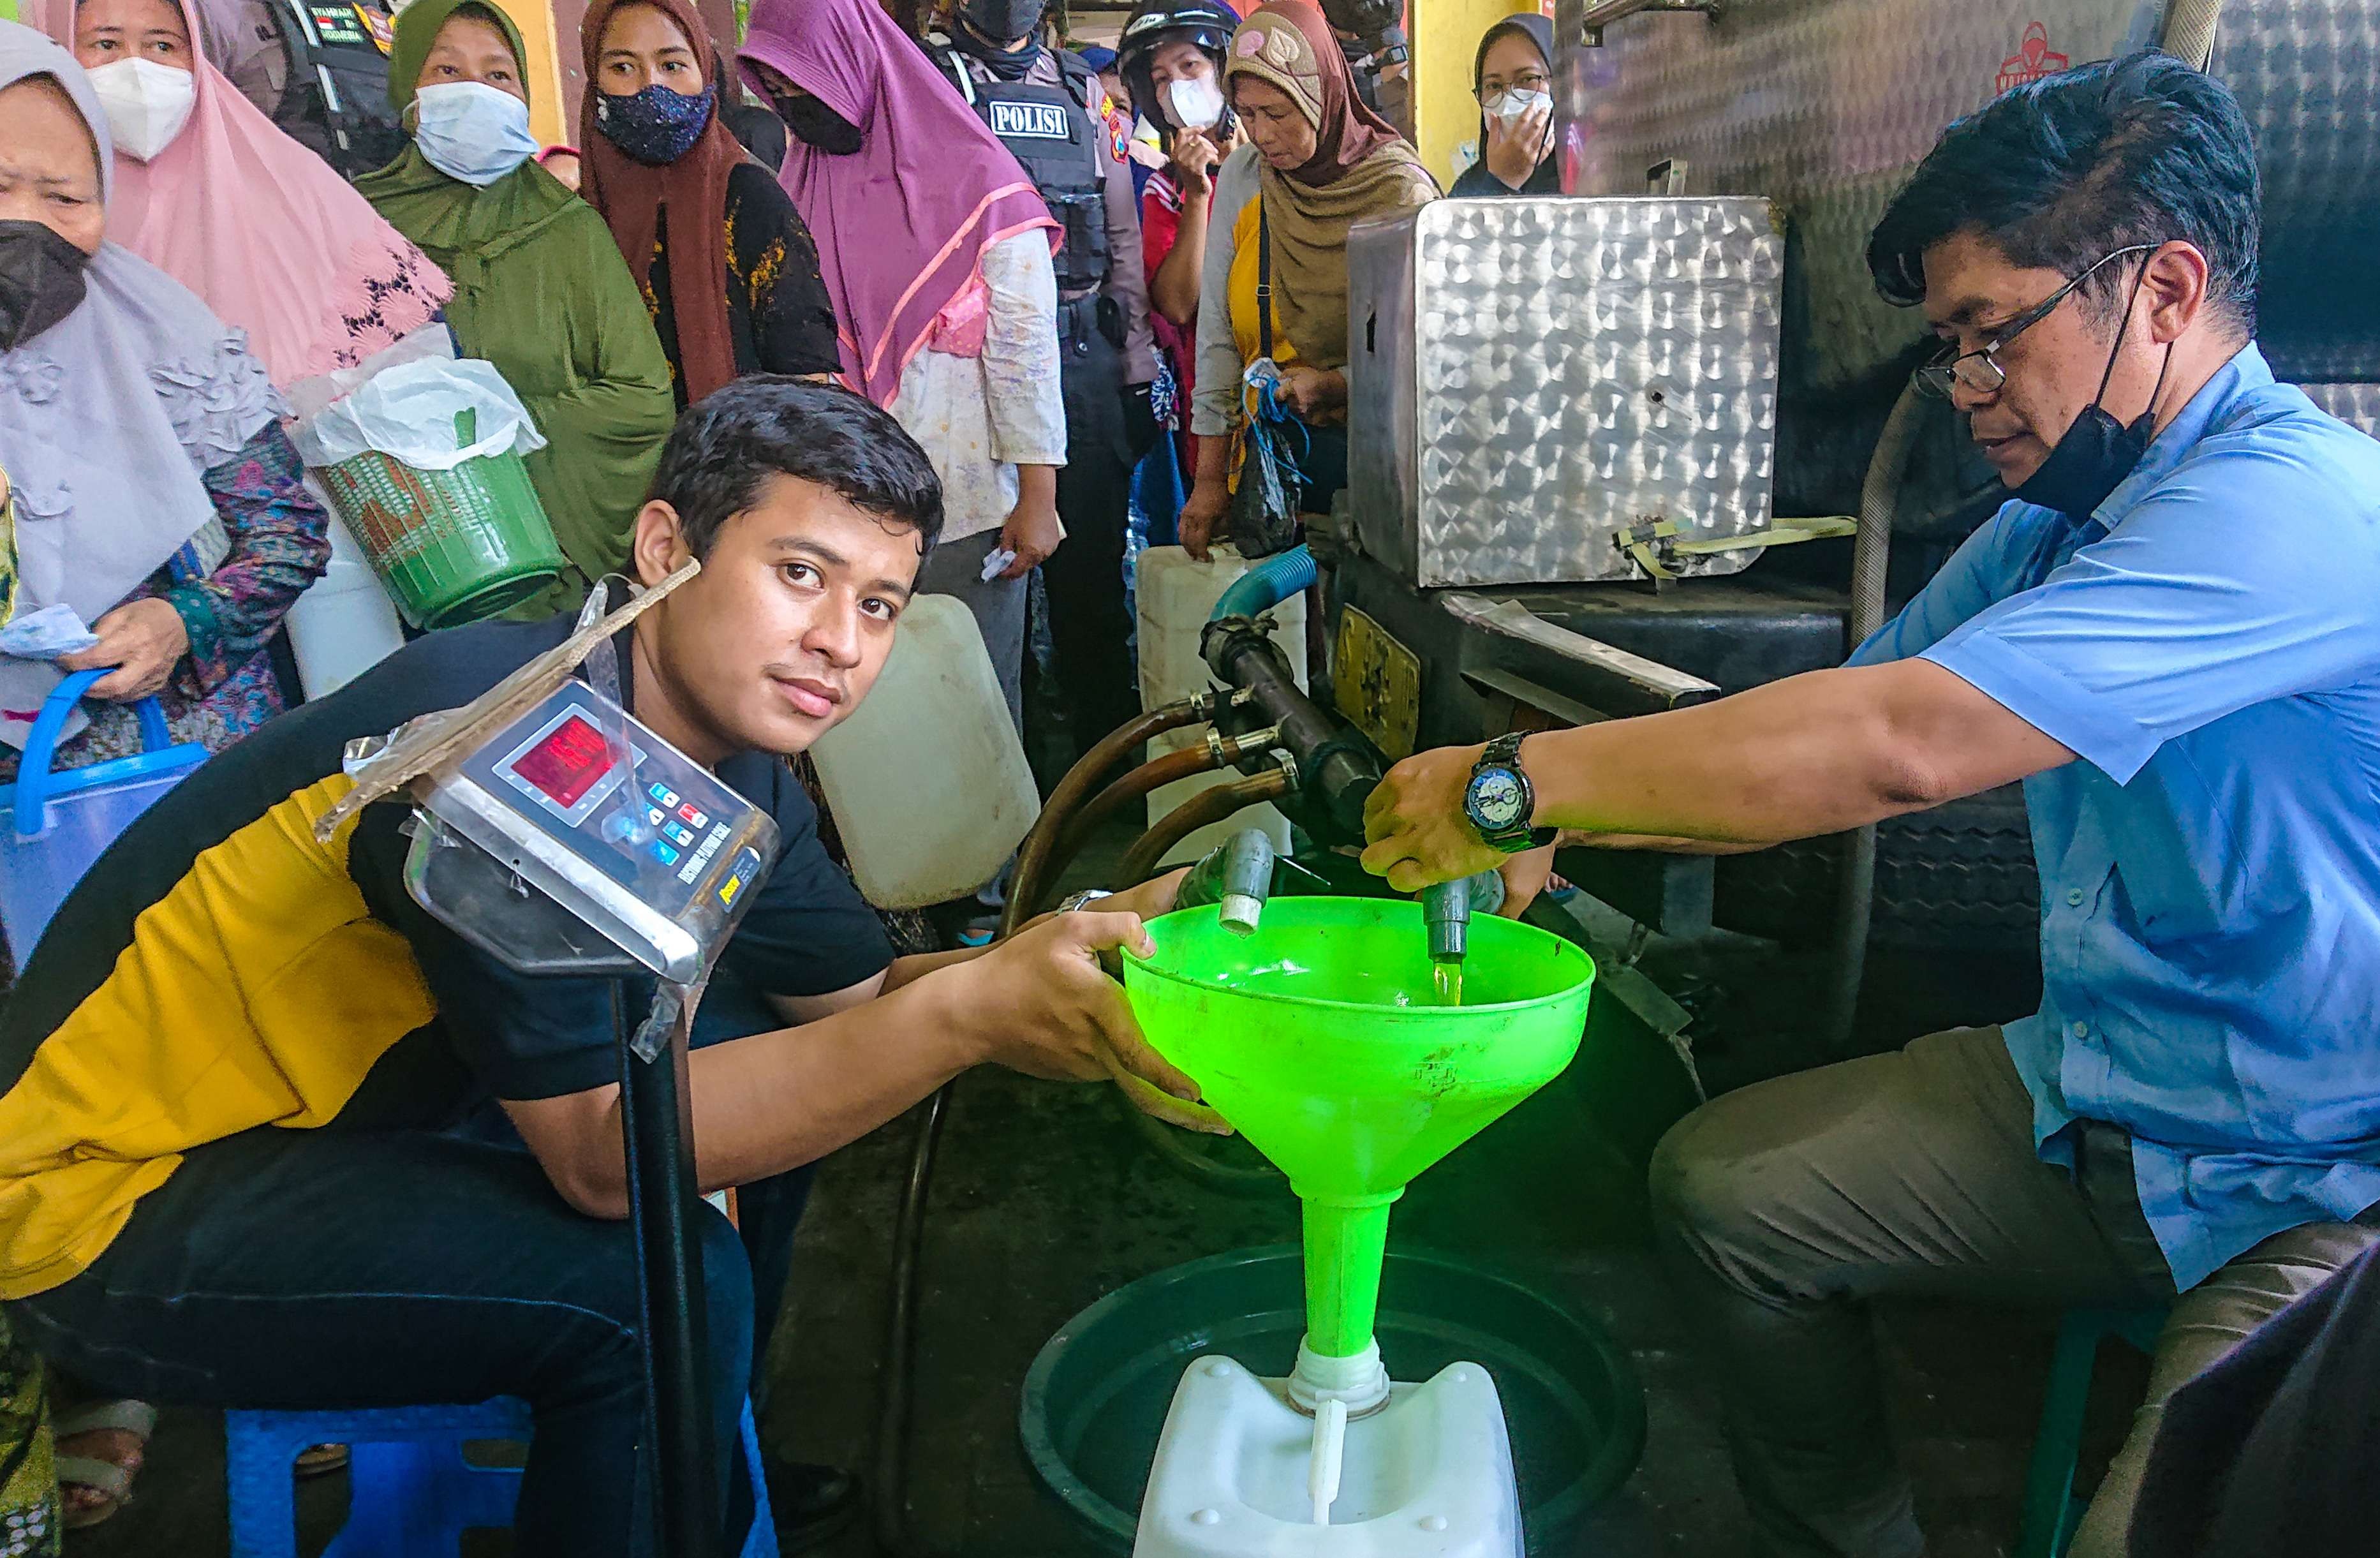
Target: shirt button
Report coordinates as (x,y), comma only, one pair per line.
(2081,1030)
(2074,897)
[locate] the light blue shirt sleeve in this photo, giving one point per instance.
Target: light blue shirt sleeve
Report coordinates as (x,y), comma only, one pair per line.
(2250,574)
(1968,583)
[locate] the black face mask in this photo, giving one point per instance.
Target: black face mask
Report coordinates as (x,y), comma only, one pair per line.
(40,280)
(1004,22)
(2096,454)
(817,127)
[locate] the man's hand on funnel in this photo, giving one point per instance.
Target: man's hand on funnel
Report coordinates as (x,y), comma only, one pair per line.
(1050,1010)
(1416,835)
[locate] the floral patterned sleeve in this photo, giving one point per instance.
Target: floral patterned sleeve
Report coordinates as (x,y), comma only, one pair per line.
(280,542)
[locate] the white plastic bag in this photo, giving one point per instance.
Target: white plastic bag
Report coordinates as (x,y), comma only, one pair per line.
(407,413)
(309,398)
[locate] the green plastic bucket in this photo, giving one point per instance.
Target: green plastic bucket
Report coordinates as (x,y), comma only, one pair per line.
(1324,1040)
(451,546)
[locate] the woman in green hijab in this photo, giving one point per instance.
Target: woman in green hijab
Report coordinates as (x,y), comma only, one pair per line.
(539,287)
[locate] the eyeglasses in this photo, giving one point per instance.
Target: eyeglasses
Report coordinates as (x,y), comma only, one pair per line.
(1528,81)
(1979,372)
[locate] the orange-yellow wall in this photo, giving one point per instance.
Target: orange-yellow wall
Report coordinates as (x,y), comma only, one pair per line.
(1445,40)
(548,114)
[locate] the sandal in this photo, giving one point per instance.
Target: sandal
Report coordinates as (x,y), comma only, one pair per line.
(321,1461)
(111,1479)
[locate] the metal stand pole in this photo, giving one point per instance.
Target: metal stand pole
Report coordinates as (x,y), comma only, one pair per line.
(662,1201)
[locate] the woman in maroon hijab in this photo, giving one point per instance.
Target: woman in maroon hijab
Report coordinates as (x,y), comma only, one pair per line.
(728,270)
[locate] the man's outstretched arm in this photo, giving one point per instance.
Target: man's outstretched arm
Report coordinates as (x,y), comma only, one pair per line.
(1037,1003)
(1811,754)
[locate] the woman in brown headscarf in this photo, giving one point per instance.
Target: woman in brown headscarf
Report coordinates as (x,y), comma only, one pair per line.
(1318,162)
(726,265)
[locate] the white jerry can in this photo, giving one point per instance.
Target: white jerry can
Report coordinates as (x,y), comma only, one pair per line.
(1176,596)
(927,778)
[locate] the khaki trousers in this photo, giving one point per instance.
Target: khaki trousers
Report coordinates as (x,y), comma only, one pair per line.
(1783,1209)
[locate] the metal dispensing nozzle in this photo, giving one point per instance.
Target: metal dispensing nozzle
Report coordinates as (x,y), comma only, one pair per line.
(1446,909)
(1237,877)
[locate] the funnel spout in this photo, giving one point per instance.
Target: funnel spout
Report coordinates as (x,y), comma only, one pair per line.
(1345,1239)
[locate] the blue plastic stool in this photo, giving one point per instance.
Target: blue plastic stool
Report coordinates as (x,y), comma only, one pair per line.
(2051,1510)
(412,1493)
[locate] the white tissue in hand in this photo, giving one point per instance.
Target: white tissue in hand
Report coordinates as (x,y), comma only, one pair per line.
(47,634)
(997,563)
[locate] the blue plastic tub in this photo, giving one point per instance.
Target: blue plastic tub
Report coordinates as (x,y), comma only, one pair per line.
(54,823)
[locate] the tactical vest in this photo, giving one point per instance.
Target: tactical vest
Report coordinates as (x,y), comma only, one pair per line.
(318,71)
(1057,140)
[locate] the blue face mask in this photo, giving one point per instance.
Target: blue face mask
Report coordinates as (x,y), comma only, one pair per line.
(657,126)
(472,131)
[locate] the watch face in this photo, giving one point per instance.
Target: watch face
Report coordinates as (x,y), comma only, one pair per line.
(1496,800)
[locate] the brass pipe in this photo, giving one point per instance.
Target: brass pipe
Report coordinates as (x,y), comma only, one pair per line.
(1206,805)
(1220,752)
(1154,775)
(1027,885)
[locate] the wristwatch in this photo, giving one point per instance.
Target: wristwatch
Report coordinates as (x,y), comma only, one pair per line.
(1500,800)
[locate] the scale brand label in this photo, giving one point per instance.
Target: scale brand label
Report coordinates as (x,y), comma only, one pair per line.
(1032,121)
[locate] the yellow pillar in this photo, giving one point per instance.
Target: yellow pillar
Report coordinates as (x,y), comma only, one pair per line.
(547,119)
(1445,41)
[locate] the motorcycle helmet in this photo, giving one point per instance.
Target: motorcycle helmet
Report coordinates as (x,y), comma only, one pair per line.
(1208,24)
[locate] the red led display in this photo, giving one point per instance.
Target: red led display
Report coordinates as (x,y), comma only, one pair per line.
(566,764)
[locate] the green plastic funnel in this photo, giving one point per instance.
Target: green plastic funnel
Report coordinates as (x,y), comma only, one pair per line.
(1323,1041)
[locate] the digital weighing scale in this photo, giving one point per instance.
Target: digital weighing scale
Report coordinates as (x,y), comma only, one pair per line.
(635,839)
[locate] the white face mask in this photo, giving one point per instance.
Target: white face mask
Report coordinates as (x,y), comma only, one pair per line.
(1511,105)
(1197,103)
(147,103)
(472,131)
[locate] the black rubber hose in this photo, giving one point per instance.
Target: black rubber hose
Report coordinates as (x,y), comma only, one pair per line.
(1871,551)
(896,1390)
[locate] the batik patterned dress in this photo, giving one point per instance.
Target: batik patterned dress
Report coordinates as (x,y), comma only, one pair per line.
(29,1478)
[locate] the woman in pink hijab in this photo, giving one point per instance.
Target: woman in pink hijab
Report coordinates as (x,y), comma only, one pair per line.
(935,250)
(210,191)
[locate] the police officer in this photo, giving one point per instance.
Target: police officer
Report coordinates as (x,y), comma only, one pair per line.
(319,72)
(1047,108)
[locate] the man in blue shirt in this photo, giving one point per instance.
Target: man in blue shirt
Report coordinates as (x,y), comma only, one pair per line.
(2170,635)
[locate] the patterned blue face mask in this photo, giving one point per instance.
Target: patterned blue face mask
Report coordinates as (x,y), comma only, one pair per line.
(657,126)
(472,131)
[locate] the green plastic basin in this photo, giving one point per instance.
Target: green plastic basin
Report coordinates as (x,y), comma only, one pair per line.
(1096,1398)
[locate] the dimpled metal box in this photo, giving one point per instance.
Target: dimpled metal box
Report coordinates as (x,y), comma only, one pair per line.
(1531,378)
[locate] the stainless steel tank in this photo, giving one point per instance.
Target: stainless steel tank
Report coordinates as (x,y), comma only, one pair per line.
(1532,381)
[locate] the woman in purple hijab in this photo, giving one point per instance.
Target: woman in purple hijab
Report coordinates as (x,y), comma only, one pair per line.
(935,248)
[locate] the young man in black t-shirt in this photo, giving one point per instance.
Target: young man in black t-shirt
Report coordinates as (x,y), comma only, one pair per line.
(227,1175)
